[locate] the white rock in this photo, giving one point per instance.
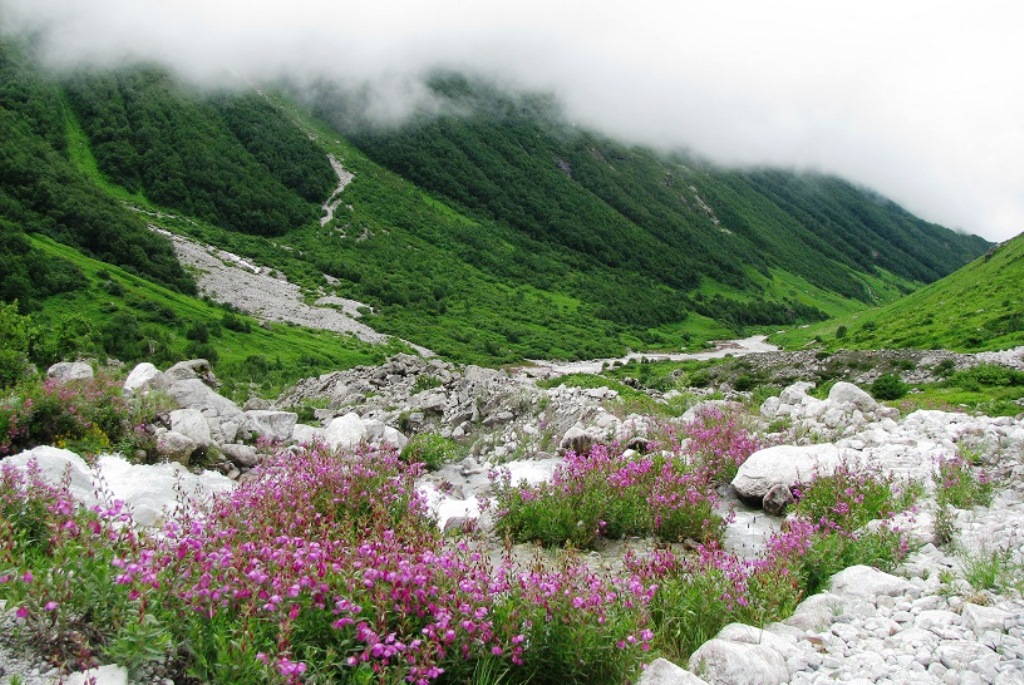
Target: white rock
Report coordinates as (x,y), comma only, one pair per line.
(307,435)
(53,463)
(787,465)
(981,619)
(740,632)
(867,583)
(394,437)
(143,378)
(103,675)
(664,672)
(735,663)
(843,392)
(223,415)
(345,432)
(270,424)
(175,447)
(795,393)
(69,371)
(191,423)
(817,612)
(244,456)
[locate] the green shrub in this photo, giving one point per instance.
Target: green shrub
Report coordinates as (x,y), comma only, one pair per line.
(16,337)
(432,450)
(888,387)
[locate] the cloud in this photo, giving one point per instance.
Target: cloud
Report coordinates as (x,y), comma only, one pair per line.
(918,100)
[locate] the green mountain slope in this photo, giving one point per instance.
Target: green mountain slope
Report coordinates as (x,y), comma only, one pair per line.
(678,221)
(979,307)
(489,237)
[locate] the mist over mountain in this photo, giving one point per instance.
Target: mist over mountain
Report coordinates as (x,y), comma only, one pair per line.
(488,227)
(910,100)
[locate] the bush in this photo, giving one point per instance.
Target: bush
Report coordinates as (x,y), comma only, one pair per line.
(888,387)
(605,494)
(432,450)
(16,338)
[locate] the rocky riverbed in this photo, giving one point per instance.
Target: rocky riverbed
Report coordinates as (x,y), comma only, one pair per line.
(922,624)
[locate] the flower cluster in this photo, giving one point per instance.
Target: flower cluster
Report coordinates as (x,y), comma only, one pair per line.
(612,494)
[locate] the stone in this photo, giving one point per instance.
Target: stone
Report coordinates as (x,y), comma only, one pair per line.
(795,393)
(192,424)
(664,672)
(742,633)
(817,612)
(579,440)
(345,432)
(980,619)
(788,465)
(244,456)
(52,463)
(865,582)
(223,415)
(144,378)
(102,675)
(270,424)
(735,663)
(307,435)
(69,371)
(843,392)
(777,500)
(192,369)
(175,447)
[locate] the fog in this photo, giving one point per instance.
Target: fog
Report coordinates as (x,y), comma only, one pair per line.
(920,101)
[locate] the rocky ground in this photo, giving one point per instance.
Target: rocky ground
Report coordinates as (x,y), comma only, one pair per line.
(923,624)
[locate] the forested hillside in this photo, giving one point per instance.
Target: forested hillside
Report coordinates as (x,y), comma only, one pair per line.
(680,221)
(490,234)
(40,191)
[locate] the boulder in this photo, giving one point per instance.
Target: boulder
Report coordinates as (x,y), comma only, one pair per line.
(664,672)
(865,582)
(69,371)
(345,432)
(307,435)
(777,499)
(144,378)
(193,369)
(223,415)
(175,447)
(53,463)
(817,612)
(101,675)
(380,434)
(270,424)
(243,456)
(843,392)
(151,490)
(578,439)
(787,465)
(191,423)
(739,663)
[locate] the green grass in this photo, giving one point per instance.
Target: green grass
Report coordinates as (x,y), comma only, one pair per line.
(979,307)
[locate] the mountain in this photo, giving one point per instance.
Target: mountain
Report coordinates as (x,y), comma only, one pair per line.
(488,231)
(978,307)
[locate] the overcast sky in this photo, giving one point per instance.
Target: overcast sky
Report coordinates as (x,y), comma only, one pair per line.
(921,101)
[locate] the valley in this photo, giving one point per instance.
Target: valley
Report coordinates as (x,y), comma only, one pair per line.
(289,395)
